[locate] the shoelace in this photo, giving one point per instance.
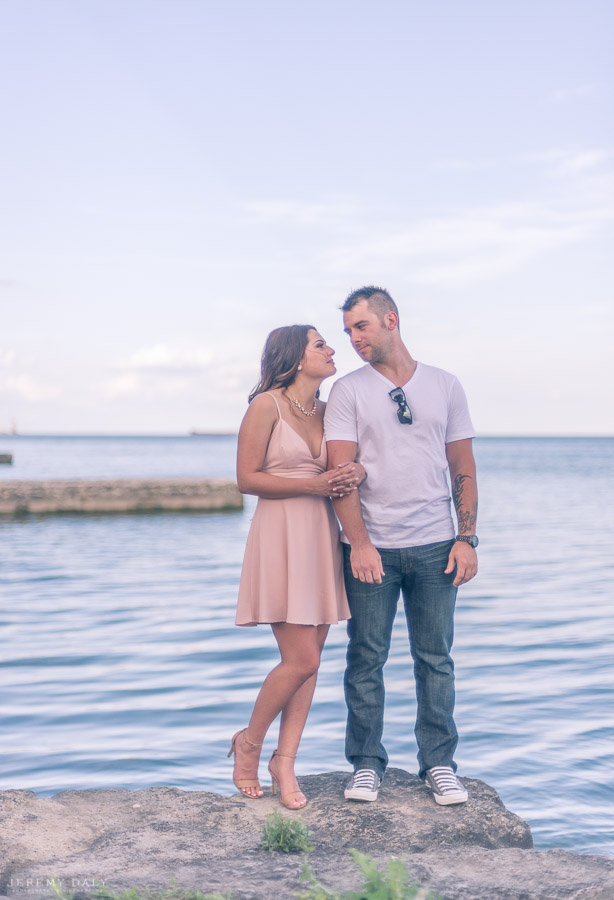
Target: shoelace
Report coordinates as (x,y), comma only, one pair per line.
(365,778)
(445,779)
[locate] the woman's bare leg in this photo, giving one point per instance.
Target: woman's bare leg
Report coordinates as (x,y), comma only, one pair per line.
(294,713)
(293,718)
(300,647)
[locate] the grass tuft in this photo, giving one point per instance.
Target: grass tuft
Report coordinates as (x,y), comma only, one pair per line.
(394,885)
(287,835)
(133,893)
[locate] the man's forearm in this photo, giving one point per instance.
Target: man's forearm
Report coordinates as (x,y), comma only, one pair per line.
(365,560)
(349,514)
(465,496)
(348,508)
(464,485)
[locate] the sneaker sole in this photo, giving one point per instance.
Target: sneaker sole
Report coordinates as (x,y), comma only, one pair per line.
(364,796)
(451,800)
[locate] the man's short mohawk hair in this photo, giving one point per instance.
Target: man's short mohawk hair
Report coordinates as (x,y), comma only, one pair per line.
(378,300)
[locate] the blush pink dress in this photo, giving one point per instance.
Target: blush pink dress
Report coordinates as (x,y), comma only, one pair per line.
(293,563)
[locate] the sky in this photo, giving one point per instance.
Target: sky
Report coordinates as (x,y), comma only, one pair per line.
(179,177)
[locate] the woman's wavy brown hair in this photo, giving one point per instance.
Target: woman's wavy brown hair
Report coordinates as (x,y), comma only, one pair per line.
(281,357)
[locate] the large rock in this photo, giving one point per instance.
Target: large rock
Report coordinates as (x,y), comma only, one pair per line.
(212,843)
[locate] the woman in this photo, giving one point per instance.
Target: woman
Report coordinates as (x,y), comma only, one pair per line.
(292,574)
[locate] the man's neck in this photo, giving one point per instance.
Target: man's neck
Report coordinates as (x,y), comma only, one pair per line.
(398,366)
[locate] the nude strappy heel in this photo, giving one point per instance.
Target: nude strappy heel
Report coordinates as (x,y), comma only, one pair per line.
(288,800)
(244,784)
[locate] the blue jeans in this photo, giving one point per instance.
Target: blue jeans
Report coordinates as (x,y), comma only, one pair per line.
(429,598)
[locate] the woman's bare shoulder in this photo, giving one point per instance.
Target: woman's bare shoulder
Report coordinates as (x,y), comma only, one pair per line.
(266,400)
(263,408)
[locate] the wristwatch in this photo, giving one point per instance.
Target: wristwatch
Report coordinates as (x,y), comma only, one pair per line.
(471,539)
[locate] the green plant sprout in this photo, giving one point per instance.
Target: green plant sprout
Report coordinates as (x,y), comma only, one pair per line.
(287,835)
(395,885)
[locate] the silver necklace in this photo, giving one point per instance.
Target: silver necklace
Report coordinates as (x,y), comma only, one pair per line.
(305,412)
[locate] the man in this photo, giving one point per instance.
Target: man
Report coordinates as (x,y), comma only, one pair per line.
(407,423)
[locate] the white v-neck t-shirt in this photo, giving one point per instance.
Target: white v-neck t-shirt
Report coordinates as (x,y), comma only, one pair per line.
(405,499)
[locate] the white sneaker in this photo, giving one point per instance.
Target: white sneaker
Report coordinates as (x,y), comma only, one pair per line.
(445,786)
(363,785)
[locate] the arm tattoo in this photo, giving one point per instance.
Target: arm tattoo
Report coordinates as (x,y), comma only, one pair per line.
(466,517)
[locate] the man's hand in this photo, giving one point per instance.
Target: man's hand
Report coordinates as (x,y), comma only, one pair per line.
(366,564)
(464,557)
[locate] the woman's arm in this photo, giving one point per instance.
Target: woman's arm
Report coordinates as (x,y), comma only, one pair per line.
(254,436)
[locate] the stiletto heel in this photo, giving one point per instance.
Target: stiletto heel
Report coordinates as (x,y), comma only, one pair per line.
(288,800)
(244,784)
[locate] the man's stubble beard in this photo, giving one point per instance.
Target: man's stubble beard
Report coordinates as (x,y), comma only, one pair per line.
(379,355)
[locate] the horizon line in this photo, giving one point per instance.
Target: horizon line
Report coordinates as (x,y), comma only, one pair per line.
(196,434)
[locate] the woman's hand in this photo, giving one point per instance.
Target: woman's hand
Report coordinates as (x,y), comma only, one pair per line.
(359,470)
(338,482)
(347,478)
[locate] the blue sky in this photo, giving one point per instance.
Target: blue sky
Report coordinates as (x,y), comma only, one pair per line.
(180,177)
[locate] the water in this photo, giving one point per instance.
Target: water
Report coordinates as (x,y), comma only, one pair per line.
(121,666)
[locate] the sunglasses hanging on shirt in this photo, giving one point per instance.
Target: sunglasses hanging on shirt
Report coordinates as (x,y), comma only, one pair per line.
(403,412)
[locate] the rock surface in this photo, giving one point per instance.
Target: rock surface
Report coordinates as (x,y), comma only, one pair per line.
(118,496)
(198,840)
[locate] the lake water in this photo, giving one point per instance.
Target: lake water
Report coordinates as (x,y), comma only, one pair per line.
(121,666)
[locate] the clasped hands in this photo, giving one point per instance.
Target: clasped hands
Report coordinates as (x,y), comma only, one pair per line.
(340,481)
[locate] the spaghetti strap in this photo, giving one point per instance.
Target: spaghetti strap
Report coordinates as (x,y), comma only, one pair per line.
(269,394)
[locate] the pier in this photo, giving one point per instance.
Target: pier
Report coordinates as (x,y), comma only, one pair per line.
(19,498)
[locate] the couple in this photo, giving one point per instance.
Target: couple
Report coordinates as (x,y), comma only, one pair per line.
(392,428)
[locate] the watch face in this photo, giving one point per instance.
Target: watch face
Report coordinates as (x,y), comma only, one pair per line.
(471,539)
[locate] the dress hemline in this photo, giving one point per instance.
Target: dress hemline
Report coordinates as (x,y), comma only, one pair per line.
(287,622)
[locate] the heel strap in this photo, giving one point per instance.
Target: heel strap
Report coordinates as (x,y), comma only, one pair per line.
(283,755)
(247,740)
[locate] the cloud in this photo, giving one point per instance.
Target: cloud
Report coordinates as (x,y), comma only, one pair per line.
(578,162)
(469,246)
(125,385)
(293,212)
(17,385)
(139,384)
(580,92)
(463,165)
(7,358)
(162,359)
(26,388)
(168,371)
(568,162)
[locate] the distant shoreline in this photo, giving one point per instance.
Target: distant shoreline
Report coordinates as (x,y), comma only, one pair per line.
(227,434)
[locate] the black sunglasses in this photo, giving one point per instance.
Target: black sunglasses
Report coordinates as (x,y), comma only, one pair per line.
(403,412)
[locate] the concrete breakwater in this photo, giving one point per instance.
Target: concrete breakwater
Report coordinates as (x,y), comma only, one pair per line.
(203,841)
(119,496)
